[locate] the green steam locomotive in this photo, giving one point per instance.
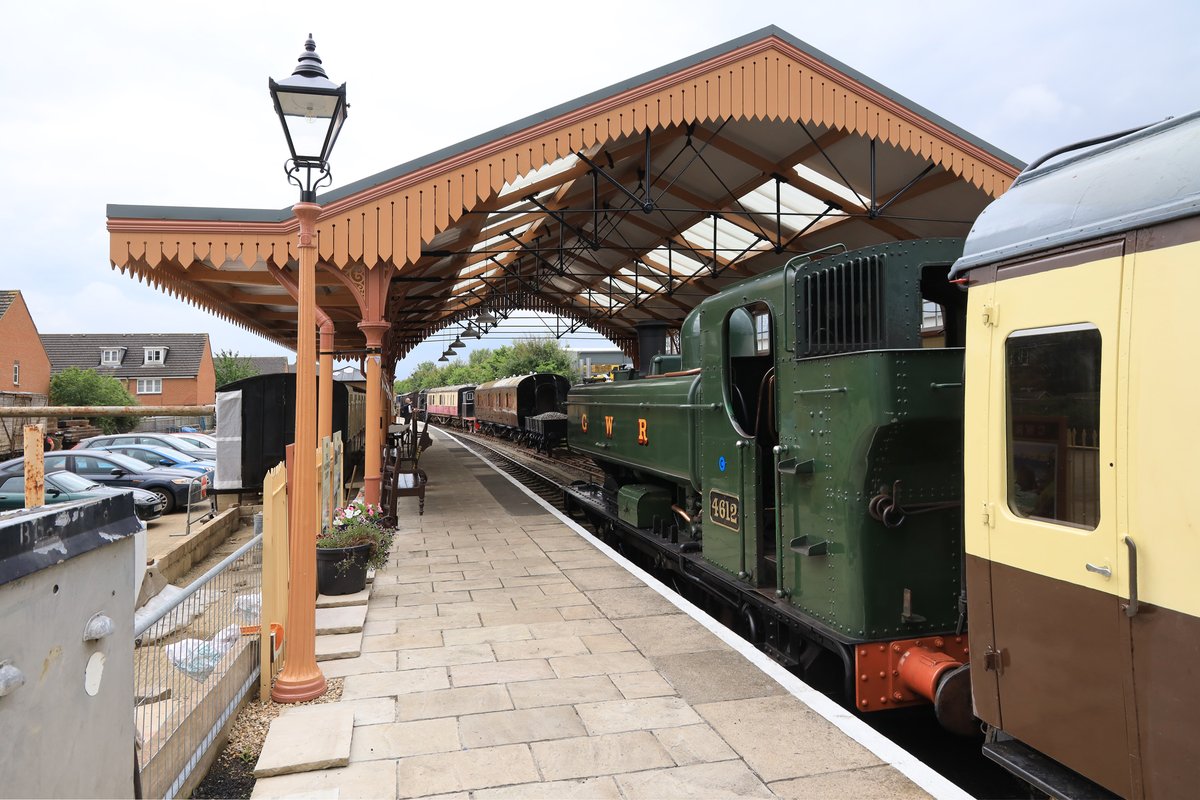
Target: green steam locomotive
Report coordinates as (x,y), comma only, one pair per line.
(798,470)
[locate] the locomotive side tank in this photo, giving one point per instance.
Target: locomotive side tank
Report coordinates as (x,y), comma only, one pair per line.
(812,449)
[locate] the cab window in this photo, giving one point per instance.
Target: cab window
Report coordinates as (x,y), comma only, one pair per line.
(1053,437)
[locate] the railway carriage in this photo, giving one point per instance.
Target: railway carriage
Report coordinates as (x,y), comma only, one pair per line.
(452,405)
(1081,433)
(527,408)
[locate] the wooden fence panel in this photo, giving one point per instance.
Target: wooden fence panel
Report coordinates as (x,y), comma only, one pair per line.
(275,572)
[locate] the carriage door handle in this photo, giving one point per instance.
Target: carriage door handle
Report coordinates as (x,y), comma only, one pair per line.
(1098,569)
(1131,609)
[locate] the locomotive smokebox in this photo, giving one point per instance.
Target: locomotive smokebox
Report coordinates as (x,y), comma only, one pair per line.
(652,340)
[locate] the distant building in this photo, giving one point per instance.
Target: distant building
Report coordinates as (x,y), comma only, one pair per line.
(166,369)
(24,366)
(269,365)
(594,363)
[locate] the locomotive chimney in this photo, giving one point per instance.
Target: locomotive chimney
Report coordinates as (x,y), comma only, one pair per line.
(652,340)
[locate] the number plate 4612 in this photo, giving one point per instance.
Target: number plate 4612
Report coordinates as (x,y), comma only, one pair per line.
(724,510)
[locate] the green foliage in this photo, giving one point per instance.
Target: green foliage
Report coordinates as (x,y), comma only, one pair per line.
(231,366)
(86,387)
(519,358)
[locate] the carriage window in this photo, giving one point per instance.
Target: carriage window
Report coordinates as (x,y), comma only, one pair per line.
(1054,424)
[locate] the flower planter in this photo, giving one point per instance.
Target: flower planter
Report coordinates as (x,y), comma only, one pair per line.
(342,570)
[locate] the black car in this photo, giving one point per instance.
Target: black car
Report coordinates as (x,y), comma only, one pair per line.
(176,487)
(63,487)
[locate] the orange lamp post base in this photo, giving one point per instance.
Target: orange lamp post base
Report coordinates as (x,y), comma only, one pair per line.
(297,691)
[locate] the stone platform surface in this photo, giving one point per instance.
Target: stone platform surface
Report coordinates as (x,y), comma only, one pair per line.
(504,655)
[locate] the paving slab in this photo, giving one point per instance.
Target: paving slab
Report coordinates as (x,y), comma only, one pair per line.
(393,684)
(562,691)
(452,702)
(715,675)
(801,742)
(727,780)
(604,788)
(401,739)
(524,725)
(500,672)
(422,776)
(291,747)
(637,602)
(341,619)
(694,744)
(336,600)
(588,756)
(618,716)
(670,635)
(870,783)
(339,645)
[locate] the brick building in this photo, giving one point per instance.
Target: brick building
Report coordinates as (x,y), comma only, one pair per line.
(159,369)
(24,366)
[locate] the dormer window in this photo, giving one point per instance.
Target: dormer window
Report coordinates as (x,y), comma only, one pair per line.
(110,356)
(155,355)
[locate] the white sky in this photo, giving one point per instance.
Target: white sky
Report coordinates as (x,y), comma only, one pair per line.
(161,103)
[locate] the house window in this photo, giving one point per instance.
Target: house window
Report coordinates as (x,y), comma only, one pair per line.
(16,373)
(149,386)
(155,355)
(110,355)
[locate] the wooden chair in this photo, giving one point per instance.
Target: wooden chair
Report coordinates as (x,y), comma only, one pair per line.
(402,474)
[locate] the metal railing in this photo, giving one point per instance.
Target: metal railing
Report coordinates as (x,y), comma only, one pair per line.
(196,657)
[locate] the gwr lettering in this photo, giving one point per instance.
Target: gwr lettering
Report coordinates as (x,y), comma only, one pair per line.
(643,438)
(608,426)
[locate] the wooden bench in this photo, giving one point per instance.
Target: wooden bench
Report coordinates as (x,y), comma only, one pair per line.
(410,484)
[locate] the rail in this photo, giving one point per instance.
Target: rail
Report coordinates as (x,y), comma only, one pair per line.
(196,658)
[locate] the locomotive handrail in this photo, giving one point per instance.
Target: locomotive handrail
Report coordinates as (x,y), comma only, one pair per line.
(701,406)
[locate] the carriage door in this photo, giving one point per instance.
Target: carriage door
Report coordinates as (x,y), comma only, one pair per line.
(1061,653)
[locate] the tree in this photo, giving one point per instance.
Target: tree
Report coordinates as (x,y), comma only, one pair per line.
(230,366)
(520,358)
(86,387)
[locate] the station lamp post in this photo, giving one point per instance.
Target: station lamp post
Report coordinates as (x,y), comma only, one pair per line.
(311,109)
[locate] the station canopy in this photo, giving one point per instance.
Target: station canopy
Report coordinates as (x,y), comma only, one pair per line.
(630,204)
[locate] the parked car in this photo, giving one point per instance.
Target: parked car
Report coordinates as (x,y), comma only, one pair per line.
(63,487)
(155,439)
(162,457)
(176,487)
(199,440)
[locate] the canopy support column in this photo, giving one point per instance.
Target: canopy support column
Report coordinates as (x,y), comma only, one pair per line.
(325,390)
(372,467)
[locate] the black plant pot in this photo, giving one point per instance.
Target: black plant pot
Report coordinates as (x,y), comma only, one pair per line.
(342,570)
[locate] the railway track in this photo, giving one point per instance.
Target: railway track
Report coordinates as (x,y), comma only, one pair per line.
(570,466)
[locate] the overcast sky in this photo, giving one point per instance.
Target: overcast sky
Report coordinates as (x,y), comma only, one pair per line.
(166,103)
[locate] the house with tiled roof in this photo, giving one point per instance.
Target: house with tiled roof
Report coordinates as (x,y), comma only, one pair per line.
(160,369)
(269,365)
(24,366)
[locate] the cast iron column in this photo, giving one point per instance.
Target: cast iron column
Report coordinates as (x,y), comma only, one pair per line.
(301,678)
(373,462)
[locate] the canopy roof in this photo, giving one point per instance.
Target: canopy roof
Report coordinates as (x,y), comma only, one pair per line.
(630,204)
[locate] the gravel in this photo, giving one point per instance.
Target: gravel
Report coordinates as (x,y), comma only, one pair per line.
(232,773)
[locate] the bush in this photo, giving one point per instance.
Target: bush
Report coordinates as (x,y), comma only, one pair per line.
(230,366)
(86,387)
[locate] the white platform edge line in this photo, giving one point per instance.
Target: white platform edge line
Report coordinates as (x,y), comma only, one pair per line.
(888,751)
